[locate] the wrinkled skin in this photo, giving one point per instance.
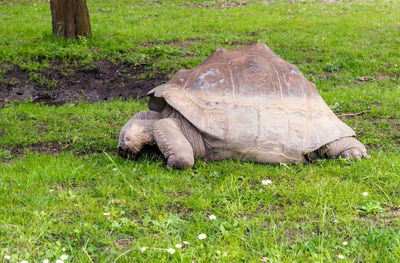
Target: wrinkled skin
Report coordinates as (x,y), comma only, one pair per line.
(136,133)
(148,127)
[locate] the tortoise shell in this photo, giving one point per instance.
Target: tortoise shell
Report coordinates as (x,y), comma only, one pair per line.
(249,103)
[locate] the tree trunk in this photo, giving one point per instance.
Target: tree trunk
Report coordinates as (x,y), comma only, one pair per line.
(70,18)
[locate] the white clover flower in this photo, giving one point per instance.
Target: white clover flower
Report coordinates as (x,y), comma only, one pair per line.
(63,257)
(365,194)
(115,169)
(46,261)
(106,214)
(395,65)
(345,243)
(63,249)
(178,245)
(51,190)
(266,182)
(340,256)
(143,249)
(202,236)
(7,257)
(212,217)
(59,261)
(171,250)
(186,242)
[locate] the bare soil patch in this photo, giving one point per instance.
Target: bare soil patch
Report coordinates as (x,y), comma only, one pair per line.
(391,215)
(100,80)
(51,147)
(184,44)
(41,147)
(149,152)
(324,76)
(216,4)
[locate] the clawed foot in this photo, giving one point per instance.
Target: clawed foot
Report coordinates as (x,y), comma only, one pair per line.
(346,147)
(354,153)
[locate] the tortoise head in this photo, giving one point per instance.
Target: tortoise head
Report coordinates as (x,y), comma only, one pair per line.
(136,133)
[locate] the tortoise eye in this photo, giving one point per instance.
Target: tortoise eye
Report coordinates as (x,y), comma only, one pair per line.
(127,138)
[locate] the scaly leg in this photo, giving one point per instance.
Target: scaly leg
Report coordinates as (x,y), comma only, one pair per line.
(173,144)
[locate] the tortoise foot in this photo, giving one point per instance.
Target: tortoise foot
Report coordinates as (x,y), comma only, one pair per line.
(354,153)
(346,147)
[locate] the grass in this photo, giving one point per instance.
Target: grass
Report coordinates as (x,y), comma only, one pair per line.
(59,172)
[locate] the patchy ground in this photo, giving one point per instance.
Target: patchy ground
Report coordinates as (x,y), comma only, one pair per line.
(101,80)
(148,152)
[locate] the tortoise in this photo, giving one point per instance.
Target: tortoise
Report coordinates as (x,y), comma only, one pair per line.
(245,103)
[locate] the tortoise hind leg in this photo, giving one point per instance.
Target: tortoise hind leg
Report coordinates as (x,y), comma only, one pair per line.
(173,144)
(346,147)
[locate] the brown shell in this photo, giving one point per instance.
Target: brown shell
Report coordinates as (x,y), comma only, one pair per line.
(249,103)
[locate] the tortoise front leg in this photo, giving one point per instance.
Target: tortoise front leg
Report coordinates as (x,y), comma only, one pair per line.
(346,147)
(173,144)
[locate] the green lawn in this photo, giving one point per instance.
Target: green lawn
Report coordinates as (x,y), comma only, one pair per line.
(62,184)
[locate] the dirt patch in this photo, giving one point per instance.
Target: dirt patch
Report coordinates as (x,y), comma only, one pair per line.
(216,4)
(100,80)
(389,216)
(149,152)
(184,44)
(50,147)
(377,77)
(318,1)
(122,244)
(178,208)
(323,76)
(240,43)
(177,194)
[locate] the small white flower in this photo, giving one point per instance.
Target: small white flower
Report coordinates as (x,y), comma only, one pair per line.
(63,257)
(171,250)
(59,261)
(345,243)
(340,256)
(266,182)
(395,65)
(115,169)
(24,261)
(212,217)
(46,261)
(202,236)
(178,245)
(143,249)
(365,194)
(185,242)
(63,249)
(106,214)
(7,257)
(51,190)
